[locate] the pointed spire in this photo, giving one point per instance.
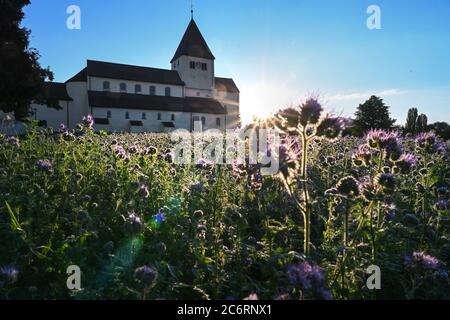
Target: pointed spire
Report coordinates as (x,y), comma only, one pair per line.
(192,10)
(193,44)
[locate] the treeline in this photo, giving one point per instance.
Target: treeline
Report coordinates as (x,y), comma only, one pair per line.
(375,114)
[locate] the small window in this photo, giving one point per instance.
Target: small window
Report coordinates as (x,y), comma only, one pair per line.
(204,66)
(108,114)
(168,92)
(123,87)
(198,65)
(192,64)
(106,86)
(144,116)
(127,115)
(159,115)
(137,88)
(203,121)
(198,94)
(218,122)
(172,117)
(152,90)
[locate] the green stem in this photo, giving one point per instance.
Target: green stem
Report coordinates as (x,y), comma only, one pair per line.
(306,211)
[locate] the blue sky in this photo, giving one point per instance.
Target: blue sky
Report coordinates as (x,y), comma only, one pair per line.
(277,51)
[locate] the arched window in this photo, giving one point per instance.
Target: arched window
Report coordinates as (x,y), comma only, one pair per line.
(159,115)
(152,90)
(137,88)
(168,92)
(203,121)
(218,122)
(144,116)
(172,117)
(123,87)
(127,115)
(106,86)
(108,114)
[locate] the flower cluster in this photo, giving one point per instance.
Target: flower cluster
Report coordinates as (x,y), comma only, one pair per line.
(306,276)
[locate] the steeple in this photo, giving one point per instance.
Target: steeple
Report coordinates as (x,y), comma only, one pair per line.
(193,44)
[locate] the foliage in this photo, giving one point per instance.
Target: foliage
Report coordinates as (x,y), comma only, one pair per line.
(22,77)
(372,114)
(142,227)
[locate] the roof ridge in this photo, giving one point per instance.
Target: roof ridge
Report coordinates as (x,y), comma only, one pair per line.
(131,65)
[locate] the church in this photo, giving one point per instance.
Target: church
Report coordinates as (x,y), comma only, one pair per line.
(129,98)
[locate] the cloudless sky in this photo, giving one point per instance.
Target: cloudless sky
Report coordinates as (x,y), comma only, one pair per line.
(277,51)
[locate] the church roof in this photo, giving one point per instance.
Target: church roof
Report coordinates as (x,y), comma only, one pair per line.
(226,84)
(193,44)
(147,102)
(79,77)
(57,91)
(133,73)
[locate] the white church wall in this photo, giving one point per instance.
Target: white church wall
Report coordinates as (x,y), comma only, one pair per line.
(119,123)
(79,107)
(54,117)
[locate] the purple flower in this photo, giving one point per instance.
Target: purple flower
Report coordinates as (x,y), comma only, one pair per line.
(10,273)
(135,222)
(44,165)
(160,217)
(380,139)
(89,121)
(13,141)
(419,260)
(145,275)
(362,156)
(442,205)
(310,112)
(330,127)
(305,275)
(143,191)
(430,143)
(406,162)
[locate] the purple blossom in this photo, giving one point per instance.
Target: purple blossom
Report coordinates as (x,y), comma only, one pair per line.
(406,162)
(145,275)
(442,205)
(13,141)
(310,112)
(143,191)
(135,222)
(160,217)
(89,121)
(10,273)
(419,260)
(362,155)
(330,127)
(44,165)
(306,276)
(380,139)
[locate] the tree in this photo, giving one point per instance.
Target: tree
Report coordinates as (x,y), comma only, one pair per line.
(442,129)
(411,121)
(22,78)
(372,114)
(422,123)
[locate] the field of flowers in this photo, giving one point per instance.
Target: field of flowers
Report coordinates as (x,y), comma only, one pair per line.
(140,226)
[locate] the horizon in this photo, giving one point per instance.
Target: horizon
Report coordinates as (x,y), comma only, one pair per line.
(277,55)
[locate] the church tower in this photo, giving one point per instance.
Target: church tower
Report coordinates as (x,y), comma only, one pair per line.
(194,62)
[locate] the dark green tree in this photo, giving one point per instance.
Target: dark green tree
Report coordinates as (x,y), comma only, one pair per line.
(22,77)
(372,114)
(422,123)
(442,129)
(411,121)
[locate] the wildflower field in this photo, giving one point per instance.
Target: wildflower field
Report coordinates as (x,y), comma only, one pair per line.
(140,226)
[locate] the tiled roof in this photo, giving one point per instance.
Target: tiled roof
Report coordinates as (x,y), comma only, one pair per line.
(148,102)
